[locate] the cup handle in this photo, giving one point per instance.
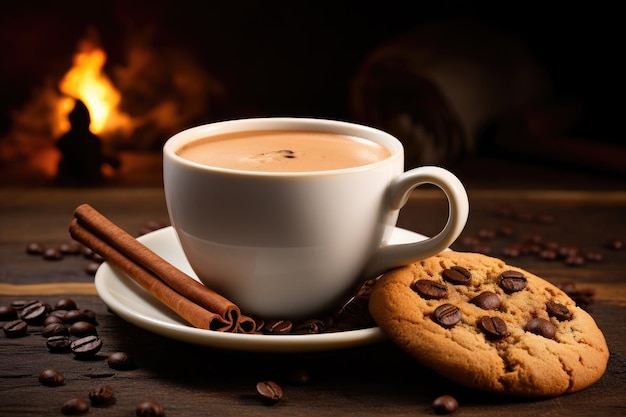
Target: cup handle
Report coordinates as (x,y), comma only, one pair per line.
(393,256)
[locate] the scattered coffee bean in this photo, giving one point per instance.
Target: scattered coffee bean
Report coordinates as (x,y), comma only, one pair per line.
(34,313)
(58,344)
(82,328)
(278,327)
(487,301)
(595,256)
(92,267)
(15,328)
(494,327)
(51,378)
(35,248)
(149,409)
(65,304)
(86,347)
(101,395)
(121,361)
(614,244)
(430,289)
(559,311)
(75,406)
(575,260)
(52,254)
(70,248)
(19,305)
(269,391)
(8,313)
(445,404)
(73,316)
(512,281)
(50,319)
(312,326)
(457,275)
(55,329)
(447,315)
(541,327)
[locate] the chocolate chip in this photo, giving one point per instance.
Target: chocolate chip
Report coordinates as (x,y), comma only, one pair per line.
(445,404)
(269,391)
(512,281)
(493,327)
(541,327)
(51,378)
(457,275)
(447,315)
(430,289)
(487,300)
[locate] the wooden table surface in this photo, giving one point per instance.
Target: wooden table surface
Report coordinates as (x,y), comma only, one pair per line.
(375,379)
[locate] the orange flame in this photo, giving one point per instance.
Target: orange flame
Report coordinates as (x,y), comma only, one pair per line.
(86,81)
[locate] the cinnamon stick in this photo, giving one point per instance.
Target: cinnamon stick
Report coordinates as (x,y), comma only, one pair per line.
(199,305)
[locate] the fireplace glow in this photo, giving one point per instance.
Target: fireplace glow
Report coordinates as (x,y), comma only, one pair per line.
(86,81)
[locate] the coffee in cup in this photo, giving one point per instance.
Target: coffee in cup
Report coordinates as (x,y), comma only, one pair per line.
(284,216)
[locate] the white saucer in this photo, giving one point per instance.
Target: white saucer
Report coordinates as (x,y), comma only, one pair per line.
(135,305)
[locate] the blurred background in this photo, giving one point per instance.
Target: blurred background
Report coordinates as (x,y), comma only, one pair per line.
(508,93)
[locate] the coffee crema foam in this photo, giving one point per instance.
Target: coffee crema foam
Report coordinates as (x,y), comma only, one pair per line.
(283,151)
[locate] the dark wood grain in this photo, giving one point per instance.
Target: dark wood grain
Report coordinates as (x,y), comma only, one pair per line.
(372,380)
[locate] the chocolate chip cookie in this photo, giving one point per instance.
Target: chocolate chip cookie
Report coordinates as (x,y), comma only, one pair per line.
(490,326)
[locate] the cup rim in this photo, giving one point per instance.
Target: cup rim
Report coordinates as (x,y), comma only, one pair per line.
(282,123)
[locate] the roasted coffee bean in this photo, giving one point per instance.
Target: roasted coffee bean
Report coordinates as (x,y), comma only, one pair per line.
(8,313)
(50,319)
(457,275)
(82,328)
(15,328)
(513,281)
(58,344)
(101,395)
(565,251)
(86,347)
(513,250)
(19,305)
(594,256)
(65,304)
(75,406)
(92,267)
(73,316)
(34,313)
(52,254)
(278,327)
(445,404)
(487,301)
(312,326)
(494,327)
(51,378)
(548,254)
(149,409)
(70,248)
(269,391)
(121,361)
(430,289)
(541,327)
(35,248)
(575,260)
(559,311)
(614,243)
(55,329)
(447,315)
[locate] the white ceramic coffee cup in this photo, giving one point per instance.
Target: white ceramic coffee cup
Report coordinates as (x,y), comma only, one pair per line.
(290,245)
